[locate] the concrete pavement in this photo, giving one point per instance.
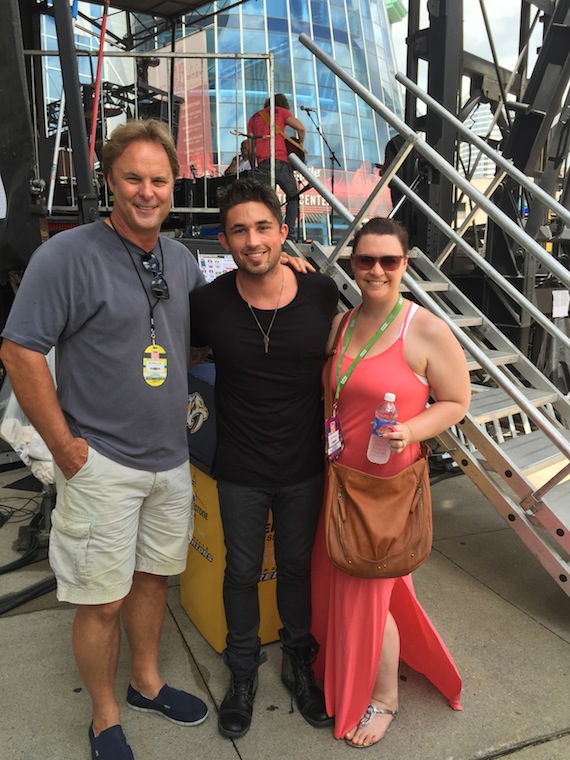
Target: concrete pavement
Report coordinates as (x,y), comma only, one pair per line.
(504,619)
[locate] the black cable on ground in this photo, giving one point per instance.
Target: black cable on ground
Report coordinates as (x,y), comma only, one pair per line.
(24,560)
(10,601)
(35,524)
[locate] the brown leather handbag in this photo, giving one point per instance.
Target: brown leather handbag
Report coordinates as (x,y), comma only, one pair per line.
(376,527)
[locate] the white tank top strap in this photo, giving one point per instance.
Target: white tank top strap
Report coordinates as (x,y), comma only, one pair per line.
(404,328)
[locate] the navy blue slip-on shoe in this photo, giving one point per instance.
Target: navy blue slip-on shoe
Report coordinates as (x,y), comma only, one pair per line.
(111,744)
(178,706)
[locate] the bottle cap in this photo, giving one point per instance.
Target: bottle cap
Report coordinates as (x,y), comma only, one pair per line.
(390,397)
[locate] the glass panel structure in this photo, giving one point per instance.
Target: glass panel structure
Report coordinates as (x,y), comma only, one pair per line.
(217,96)
(356,34)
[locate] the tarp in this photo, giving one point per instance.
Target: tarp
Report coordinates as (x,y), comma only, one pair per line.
(19,224)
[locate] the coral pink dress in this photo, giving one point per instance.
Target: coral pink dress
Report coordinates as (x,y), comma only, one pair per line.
(349,614)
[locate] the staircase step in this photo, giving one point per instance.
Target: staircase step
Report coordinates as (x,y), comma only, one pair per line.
(531,453)
(497,357)
(427,286)
(493,404)
(464,320)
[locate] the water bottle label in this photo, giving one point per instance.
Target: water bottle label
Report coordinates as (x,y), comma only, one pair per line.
(379,426)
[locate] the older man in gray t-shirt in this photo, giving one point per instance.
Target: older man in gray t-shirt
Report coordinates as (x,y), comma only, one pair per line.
(113,298)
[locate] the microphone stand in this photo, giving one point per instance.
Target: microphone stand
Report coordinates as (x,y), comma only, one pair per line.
(333,159)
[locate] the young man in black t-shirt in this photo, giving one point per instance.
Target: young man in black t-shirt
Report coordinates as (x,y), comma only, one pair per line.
(267,326)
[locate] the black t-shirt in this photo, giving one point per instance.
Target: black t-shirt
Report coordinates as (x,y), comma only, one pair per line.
(268,405)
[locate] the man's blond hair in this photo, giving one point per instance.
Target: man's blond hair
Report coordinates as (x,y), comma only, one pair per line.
(143,130)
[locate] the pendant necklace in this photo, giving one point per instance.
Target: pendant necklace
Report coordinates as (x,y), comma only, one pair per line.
(261,330)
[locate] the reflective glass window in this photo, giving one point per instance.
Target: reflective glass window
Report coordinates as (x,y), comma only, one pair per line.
(375,13)
(299,10)
(277,24)
(211,74)
(329,101)
(321,32)
(373,68)
(354,24)
(305,74)
(325,77)
(364,9)
(370,150)
(227,68)
(252,8)
(349,124)
(276,8)
(300,27)
(279,46)
(228,20)
(347,100)
(354,131)
(320,12)
(253,22)
(342,56)
(338,17)
(227,116)
(229,41)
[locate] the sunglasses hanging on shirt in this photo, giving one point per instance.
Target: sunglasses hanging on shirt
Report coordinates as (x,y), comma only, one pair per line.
(159,286)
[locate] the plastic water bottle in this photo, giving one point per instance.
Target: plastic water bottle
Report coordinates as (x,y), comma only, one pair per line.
(386,414)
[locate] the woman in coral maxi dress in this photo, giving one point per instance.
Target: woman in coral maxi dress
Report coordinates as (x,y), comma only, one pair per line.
(365,626)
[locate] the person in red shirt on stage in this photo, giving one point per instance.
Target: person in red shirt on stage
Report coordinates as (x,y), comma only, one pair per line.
(259,129)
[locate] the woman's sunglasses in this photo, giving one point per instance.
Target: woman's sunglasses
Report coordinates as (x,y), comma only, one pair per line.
(365,262)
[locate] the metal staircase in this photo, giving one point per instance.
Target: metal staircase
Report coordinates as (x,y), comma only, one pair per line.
(515,439)
(508,453)
(514,442)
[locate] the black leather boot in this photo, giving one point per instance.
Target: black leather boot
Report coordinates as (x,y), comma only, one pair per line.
(297,675)
(234,718)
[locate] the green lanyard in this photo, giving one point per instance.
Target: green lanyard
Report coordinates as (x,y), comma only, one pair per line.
(341,381)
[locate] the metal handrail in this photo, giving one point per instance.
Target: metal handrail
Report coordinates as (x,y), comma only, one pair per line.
(482,359)
(507,224)
(412,138)
(485,148)
(484,265)
(477,259)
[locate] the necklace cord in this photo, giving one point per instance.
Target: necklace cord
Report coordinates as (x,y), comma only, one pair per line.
(265,334)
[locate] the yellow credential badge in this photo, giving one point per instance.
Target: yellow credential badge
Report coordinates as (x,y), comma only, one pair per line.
(154,365)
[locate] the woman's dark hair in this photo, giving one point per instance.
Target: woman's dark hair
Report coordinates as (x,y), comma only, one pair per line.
(244,191)
(381,225)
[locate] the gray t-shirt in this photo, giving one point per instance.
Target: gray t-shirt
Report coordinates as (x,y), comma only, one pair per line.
(83,293)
